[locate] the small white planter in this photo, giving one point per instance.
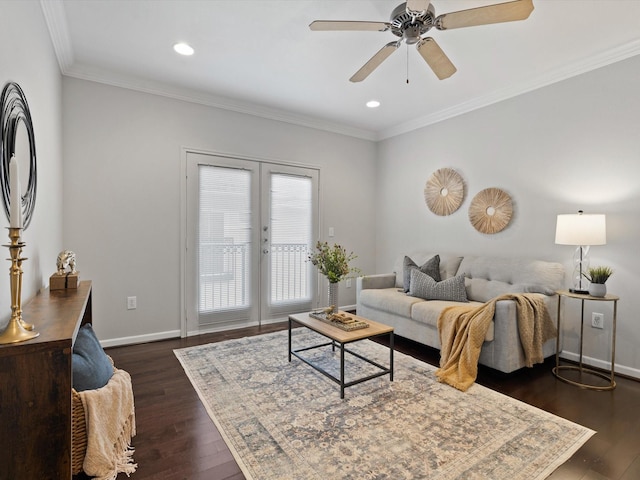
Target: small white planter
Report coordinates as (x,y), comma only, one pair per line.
(597,289)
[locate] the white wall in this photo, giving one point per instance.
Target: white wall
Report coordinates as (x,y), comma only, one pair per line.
(122,198)
(573,145)
(27,57)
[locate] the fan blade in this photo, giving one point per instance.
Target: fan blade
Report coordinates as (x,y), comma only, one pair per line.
(346,25)
(501,12)
(418,5)
(436,58)
(375,61)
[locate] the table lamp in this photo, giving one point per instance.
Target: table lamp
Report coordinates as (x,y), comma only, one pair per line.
(582,230)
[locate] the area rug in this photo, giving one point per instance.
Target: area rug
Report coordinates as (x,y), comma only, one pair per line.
(285,420)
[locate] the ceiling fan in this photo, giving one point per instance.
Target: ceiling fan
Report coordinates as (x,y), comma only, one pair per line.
(413,19)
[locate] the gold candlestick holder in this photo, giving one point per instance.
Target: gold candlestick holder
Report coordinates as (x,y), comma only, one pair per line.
(17,330)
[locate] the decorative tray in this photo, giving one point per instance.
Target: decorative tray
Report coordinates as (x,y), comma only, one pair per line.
(342,321)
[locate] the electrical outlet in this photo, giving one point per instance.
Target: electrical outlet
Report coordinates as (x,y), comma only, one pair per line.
(597,320)
(348,282)
(132,303)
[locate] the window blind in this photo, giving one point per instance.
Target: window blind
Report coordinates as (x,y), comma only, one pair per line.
(224,234)
(291,214)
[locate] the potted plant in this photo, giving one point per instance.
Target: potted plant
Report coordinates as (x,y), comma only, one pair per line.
(333,263)
(598,277)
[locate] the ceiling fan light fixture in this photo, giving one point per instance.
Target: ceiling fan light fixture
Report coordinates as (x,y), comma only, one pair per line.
(411,20)
(183,49)
(373,104)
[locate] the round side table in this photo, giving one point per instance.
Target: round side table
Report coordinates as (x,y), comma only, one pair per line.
(558,369)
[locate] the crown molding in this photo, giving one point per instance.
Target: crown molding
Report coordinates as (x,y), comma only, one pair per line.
(56,22)
(224,103)
(577,68)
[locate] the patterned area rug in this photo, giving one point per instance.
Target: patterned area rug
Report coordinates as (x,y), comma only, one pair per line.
(285,420)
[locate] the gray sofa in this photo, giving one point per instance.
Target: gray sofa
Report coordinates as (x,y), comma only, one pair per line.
(381,298)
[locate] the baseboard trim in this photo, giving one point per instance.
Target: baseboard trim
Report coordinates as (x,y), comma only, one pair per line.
(601,364)
(151,337)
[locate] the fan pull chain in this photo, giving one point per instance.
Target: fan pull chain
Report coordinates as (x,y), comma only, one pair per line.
(407,64)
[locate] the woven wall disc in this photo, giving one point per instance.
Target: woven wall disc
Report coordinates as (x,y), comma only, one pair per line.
(490,210)
(444,191)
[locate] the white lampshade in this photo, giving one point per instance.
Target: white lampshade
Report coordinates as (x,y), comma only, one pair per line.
(581,229)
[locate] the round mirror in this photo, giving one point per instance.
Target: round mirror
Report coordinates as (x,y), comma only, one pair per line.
(18,139)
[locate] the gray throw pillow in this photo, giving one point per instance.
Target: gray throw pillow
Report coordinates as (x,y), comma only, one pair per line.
(423,286)
(431,267)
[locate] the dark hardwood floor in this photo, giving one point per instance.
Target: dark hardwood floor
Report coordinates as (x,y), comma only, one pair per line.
(176,439)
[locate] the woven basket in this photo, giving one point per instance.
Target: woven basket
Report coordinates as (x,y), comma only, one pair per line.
(78,432)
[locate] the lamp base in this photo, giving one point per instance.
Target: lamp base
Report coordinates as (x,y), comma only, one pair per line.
(579,291)
(15,332)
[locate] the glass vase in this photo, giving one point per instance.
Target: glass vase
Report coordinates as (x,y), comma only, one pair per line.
(333,296)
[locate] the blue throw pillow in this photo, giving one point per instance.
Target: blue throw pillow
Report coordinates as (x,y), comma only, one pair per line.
(91,366)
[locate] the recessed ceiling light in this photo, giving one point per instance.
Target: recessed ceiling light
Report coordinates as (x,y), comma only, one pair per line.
(183,49)
(373,104)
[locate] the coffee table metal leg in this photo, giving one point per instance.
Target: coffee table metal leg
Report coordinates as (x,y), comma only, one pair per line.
(390,356)
(289,339)
(342,370)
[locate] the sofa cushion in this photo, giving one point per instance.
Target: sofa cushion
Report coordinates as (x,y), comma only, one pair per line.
(388,300)
(91,367)
(428,313)
(423,286)
(488,277)
(431,267)
(449,265)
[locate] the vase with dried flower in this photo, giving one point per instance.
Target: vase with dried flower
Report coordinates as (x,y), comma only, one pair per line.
(333,262)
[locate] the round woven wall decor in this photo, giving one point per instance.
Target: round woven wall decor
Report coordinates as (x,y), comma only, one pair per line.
(490,210)
(444,191)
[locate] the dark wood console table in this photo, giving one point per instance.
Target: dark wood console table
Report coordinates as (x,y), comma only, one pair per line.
(35,387)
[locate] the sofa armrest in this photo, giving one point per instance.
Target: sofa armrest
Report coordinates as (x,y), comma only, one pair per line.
(505,317)
(381,280)
(506,353)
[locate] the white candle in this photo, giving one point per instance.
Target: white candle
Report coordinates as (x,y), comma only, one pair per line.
(15,200)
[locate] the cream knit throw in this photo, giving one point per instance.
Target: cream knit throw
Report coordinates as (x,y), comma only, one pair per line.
(462,331)
(110,417)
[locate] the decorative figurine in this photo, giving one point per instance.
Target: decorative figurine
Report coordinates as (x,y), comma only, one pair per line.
(66,258)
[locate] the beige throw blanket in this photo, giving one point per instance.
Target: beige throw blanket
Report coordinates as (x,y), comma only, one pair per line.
(462,331)
(110,417)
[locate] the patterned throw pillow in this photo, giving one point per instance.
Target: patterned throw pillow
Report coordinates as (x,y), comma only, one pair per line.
(423,286)
(431,267)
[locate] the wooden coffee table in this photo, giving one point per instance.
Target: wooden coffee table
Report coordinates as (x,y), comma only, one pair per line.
(341,338)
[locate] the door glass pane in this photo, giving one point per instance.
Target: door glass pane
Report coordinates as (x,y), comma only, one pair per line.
(224,234)
(291,234)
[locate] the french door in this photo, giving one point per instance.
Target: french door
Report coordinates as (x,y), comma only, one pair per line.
(250,226)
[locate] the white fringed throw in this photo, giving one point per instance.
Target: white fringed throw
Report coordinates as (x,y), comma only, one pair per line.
(111,424)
